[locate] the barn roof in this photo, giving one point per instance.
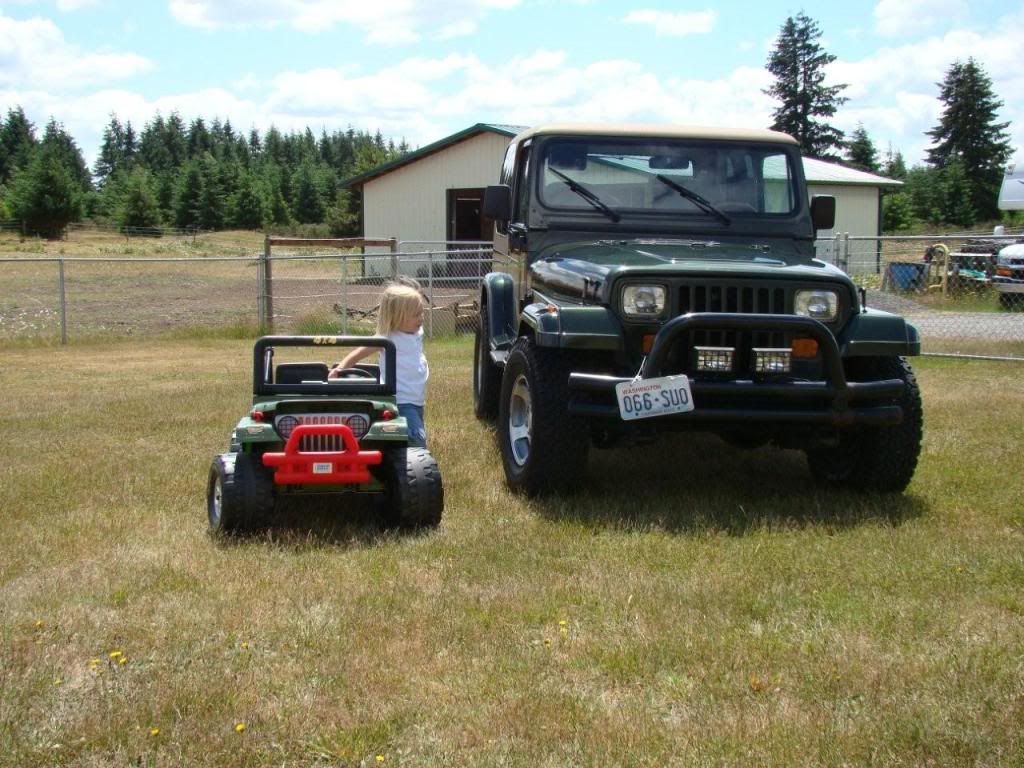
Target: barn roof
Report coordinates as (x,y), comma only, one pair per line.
(815,171)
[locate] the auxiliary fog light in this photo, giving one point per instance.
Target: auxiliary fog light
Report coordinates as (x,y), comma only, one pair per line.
(714,359)
(772,360)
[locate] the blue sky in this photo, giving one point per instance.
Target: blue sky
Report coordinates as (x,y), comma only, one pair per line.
(423,69)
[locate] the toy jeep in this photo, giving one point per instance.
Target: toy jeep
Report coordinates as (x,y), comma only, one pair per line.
(308,434)
(664,279)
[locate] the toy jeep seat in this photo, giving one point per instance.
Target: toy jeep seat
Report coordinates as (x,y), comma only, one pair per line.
(296,373)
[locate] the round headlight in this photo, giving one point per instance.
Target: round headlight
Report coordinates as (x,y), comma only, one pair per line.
(643,300)
(285,425)
(818,304)
(359,425)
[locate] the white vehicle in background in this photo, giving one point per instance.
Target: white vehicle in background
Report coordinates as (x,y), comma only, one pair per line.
(1009,277)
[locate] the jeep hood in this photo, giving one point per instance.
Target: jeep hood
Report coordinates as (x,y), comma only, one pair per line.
(582,269)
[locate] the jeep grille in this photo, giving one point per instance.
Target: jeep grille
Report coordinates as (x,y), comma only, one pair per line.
(732,297)
(359,424)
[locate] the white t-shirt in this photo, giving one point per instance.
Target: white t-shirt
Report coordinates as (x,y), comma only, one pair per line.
(412,369)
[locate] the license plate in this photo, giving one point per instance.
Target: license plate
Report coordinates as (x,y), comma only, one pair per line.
(322,467)
(644,398)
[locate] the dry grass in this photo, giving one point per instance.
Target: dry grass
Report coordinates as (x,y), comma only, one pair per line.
(692,605)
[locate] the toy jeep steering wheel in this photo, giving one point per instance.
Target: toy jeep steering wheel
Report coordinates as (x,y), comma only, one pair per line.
(352,373)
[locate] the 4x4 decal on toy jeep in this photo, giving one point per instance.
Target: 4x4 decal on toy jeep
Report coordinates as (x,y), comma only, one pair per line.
(682,257)
(307,434)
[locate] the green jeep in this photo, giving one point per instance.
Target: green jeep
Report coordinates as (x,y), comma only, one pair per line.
(656,279)
(311,432)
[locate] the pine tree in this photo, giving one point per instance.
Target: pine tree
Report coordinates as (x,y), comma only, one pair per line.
(798,64)
(956,195)
(139,207)
(968,131)
(45,194)
(861,152)
(308,203)
(17,140)
(68,153)
(188,196)
(248,208)
(894,166)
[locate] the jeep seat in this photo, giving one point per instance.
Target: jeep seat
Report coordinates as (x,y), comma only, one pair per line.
(296,373)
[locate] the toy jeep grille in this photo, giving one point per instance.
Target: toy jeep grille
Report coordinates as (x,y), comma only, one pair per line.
(357,422)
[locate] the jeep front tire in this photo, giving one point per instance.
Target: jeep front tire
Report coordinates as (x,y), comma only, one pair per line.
(543,447)
(875,459)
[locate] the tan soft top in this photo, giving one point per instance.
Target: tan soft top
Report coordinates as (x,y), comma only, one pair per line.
(659,131)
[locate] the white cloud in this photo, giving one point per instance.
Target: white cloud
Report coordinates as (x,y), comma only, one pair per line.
(34,54)
(669,24)
(914,18)
(384,22)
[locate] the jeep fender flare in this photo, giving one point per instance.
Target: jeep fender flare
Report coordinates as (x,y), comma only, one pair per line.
(498,301)
(877,333)
(572,327)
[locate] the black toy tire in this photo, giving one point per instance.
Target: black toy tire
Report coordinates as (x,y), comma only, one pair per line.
(486,375)
(239,494)
(543,447)
(414,492)
(875,459)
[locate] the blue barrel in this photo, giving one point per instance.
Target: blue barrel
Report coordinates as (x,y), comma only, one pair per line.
(908,276)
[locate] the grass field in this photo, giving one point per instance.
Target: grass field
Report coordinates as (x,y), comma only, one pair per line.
(690,606)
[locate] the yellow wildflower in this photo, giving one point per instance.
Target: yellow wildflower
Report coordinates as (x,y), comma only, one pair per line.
(380,758)
(39,623)
(239,727)
(116,654)
(154,731)
(122,660)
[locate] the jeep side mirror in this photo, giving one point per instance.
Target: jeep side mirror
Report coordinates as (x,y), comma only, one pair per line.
(823,212)
(498,202)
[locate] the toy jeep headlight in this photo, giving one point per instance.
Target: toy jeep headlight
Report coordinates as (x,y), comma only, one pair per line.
(817,304)
(643,300)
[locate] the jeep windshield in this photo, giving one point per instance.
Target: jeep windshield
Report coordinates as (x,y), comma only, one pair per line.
(674,177)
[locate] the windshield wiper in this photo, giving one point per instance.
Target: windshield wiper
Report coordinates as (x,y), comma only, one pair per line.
(587,195)
(700,201)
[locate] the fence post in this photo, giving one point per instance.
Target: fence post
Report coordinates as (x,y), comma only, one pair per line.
(267,289)
(430,293)
(344,293)
(394,258)
(63,302)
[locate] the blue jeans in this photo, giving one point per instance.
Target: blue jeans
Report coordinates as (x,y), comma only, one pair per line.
(413,415)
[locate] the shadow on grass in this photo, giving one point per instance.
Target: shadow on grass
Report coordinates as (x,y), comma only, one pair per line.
(698,484)
(314,522)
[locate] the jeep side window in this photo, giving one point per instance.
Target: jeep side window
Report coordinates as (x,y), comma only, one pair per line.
(521,189)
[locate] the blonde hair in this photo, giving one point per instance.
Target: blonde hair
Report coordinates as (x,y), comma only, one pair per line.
(398,303)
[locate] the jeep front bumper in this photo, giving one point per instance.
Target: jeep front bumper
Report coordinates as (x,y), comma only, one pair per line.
(832,401)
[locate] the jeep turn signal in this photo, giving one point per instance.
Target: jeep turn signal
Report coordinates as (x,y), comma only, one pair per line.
(256,415)
(805,348)
(647,343)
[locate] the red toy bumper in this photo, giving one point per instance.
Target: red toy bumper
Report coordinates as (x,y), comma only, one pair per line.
(294,467)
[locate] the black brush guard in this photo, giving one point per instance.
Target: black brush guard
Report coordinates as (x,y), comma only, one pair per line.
(839,401)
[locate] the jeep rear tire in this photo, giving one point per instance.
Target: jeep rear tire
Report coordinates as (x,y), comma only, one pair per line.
(413,488)
(486,375)
(875,459)
(543,447)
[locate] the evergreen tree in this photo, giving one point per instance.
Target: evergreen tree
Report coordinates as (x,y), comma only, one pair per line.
(308,204)
(188,196)
(861,152)
(139,206)
(248,208)
(798,64)
(111,151)
(894,167)
(176,141)
(17,140)
(45,195)
(923,187)
(897,215)
(68,153)
(956,195)
(212,200)
(968,131)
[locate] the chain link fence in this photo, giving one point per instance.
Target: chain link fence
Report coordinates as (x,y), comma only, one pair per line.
(945,285)
(948,286)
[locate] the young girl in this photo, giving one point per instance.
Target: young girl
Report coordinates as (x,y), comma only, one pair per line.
(401,320)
